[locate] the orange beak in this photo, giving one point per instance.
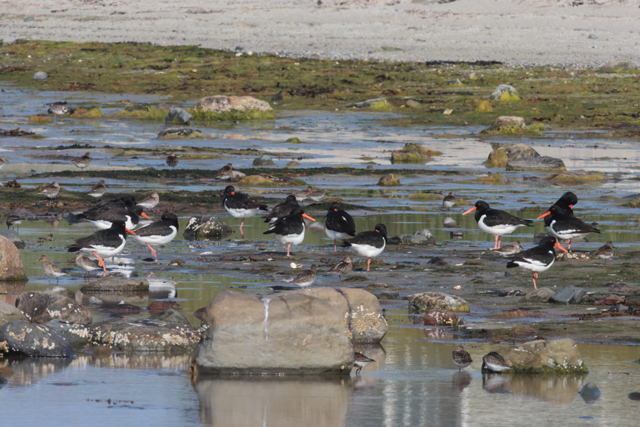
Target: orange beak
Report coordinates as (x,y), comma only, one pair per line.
(470,210)
(560,247)
(233,193)
(129,231)
(544,214)
(571,206)
(308,217)
(145,215)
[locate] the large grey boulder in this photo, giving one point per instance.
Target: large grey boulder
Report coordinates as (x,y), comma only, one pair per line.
(13,236)
(9,313)
(506,153)
(145,335)
(177,116)
(542,163)
(33,340)
(505,93)
(542,356)
(42,307)
(116,285)
(76,335)
(568,295)
(425,301)
(288,333)
(206,227)
(227,104)
(11,267)
(264,160)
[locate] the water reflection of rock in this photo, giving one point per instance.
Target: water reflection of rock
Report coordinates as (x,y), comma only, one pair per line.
(438,334)
(27,371)
(9,292)
(557,389)
(280,402)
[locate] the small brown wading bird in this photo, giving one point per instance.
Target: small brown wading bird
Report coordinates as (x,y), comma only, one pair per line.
(50,269)
(449,201)
(227,173)
(172,160)
(510,249)
(605,252)
(537,259)
(86,263)
(302,195)
(495,221)
(98,189)
(306,278)
(494,362)
(150,202)
(2,162)
(317,195)
(360,361)
(51,190)
(344,266)
(461,358)
(82,162)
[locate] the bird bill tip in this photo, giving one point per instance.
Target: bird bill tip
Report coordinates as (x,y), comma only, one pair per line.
(557,245)
(308,217)
(544,215)
(129,231)
(145,215)
(470,210)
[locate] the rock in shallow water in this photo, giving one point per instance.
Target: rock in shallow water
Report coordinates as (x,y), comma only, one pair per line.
(264,160)
(33,340)
(542,163)
(425,301)
(568,295)
(541,356)
(179,133)
(206,227)
(11,267)
(42,307)
(76,335)
(9,313)
(177,116)
(40,75)
(590,392)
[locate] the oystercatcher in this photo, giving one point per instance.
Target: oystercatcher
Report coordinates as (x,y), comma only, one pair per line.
(98,189)
(282,209)
(50,269)
(461,358)
(565,227)
(495,221)
(159,232)
(104,243)
(449,201)
(172,160)
(240,205)
(538,258)
(566,202)
(369,243)
(306,278)
(338,224)
(102,217)
(360,361)
(494,362)
(83,161)
(604,252)
(51,190)
(150,202)
(289,230)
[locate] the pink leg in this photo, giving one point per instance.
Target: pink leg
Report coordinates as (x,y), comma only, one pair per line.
(535,276)
(499,241)
(335,247)
(101,263)
(242,232)
(288,248)
(153,251)
(368,263)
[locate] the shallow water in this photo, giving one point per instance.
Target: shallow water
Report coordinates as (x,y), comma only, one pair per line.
(413,381)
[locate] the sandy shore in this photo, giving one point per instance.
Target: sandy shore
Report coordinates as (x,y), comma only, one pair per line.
(517,32)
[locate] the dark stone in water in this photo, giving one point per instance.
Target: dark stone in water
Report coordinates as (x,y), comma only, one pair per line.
(158,306)
(34,340)
(170,315)
(568,295)
(76,335)
(634,396)
(42,307)
(437,261)
(590,392)
(177,132)
(123,308)
(206,227)
(178,116)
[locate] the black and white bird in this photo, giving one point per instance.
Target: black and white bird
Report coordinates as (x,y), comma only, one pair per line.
(83,161)
(369,243)
(150,202)
(360,361)
(494,362)
(51,190)
(537,259)
(461,358)
(449,201)
(98,190)
(158,233)
(605,252)
(289,230)
(305,278)
(338,224)
(240,205)
(566,227)
(567,201)
(103,243)
(496,222)
(103,216)
(282,209)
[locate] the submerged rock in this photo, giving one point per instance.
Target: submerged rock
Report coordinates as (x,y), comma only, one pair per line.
(116,285)
(542,163)
(177,116)
(502,155)
(568,295)
(33,340)
(437,317)
(413,153)
(590,392)
(541,356)
(264,160)
(9,313)
(389,180)
(206,227)
(179,133)
(42,307)
(425,301)
(11,268)
(145,335)
(222,107)
(505,93)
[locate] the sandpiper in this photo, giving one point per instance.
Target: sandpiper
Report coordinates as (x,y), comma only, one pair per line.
(510,249)
(83,161)
(50,269)
(306,278)
(605,252)
(172,160)
(302,195)
(461,358)
(14,220)
(58,108)
(361,361)
(227,173)
(494,362)
(98,189)
(86,263)
(150,202)
(449,201)
(2,162)
(51,190)
(343,266)
(317,195)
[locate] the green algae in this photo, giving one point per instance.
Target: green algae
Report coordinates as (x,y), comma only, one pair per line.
(413,153)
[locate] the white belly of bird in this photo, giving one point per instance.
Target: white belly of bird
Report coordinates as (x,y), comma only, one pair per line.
(368,250)
(496,368)
(101,224)
(241,213)
(565,234)
(305,284)
(498,230)
(158,240)
(360,364)
(294,239)
(106,251)
(534,265)
(336,235)
(448,204)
